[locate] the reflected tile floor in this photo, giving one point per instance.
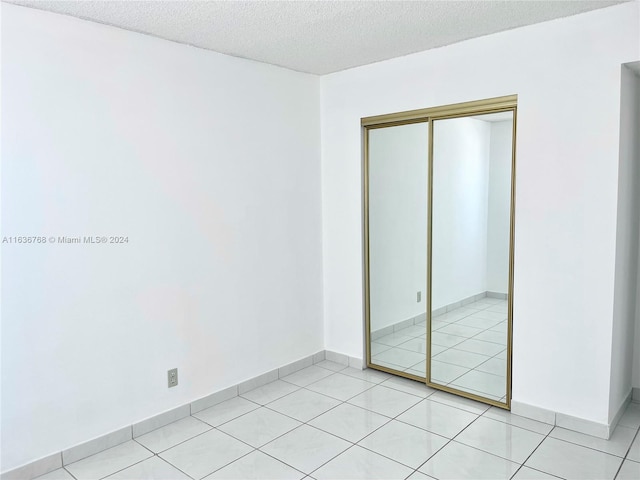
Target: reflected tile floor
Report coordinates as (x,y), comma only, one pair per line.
(469,347)
(379,426)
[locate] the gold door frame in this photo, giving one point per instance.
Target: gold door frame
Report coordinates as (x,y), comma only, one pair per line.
(428,115)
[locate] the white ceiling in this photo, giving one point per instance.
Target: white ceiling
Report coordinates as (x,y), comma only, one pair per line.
(318,36)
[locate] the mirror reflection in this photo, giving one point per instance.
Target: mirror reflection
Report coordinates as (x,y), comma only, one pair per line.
(471,218)
(397,216)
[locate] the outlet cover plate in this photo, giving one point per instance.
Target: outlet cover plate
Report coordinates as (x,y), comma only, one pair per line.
(172,377)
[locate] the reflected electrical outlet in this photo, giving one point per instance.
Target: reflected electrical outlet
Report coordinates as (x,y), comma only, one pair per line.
(419,297)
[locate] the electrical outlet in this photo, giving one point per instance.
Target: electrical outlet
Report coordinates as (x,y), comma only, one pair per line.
(419,297)
(172,377)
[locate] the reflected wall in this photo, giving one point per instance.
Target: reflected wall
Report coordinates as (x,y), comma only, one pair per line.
(398,183)
(471,195)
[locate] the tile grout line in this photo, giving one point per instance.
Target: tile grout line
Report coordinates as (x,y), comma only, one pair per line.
(583,446)
(405,423)
(485,309)
(282,461)
(346,401)
(285,433)
(258,406)
(586,446)
(532,452)
(518,426)
(520,465)
(202,433)
(72,475)
(190,404)
(128,466)
(253,449)
(474,368)
(450,440)
(342,402)
(316,428)
(169,463)
(381,383)
(373,431)
(624,459)
(332,458)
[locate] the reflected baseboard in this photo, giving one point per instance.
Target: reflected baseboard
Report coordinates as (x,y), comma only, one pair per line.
(460,303)
(466,301)
(388,330)
(498,295)
(422,317)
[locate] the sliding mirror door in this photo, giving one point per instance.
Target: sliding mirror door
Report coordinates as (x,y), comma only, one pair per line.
(438,245)
(396,192)
(471,255)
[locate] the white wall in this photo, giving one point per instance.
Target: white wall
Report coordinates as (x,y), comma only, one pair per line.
(568,88)
(627,231)
(635,100)
(460,202)
(624,371)
(499,209)
(209,164)
(398,176)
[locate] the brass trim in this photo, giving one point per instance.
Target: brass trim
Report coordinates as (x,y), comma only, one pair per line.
(366,283)
(472,114)
(476,106)
(365,200)
(428,115)
(429,252)
(397,124)
(512,244)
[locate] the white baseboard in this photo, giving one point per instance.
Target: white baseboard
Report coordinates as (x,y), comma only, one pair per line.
(582,425)
(91,447)
(341,358)
(98,444)
(213,399)
(616,418)
(160,420)
(577,424)
(534,412)
(36,468)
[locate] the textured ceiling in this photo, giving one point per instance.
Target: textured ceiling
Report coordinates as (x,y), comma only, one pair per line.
(318,36)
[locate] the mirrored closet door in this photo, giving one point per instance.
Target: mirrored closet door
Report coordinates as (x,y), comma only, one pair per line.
(397,231)
(438,245)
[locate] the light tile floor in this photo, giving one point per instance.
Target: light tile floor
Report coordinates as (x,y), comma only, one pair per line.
(468,347)
(333,422)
